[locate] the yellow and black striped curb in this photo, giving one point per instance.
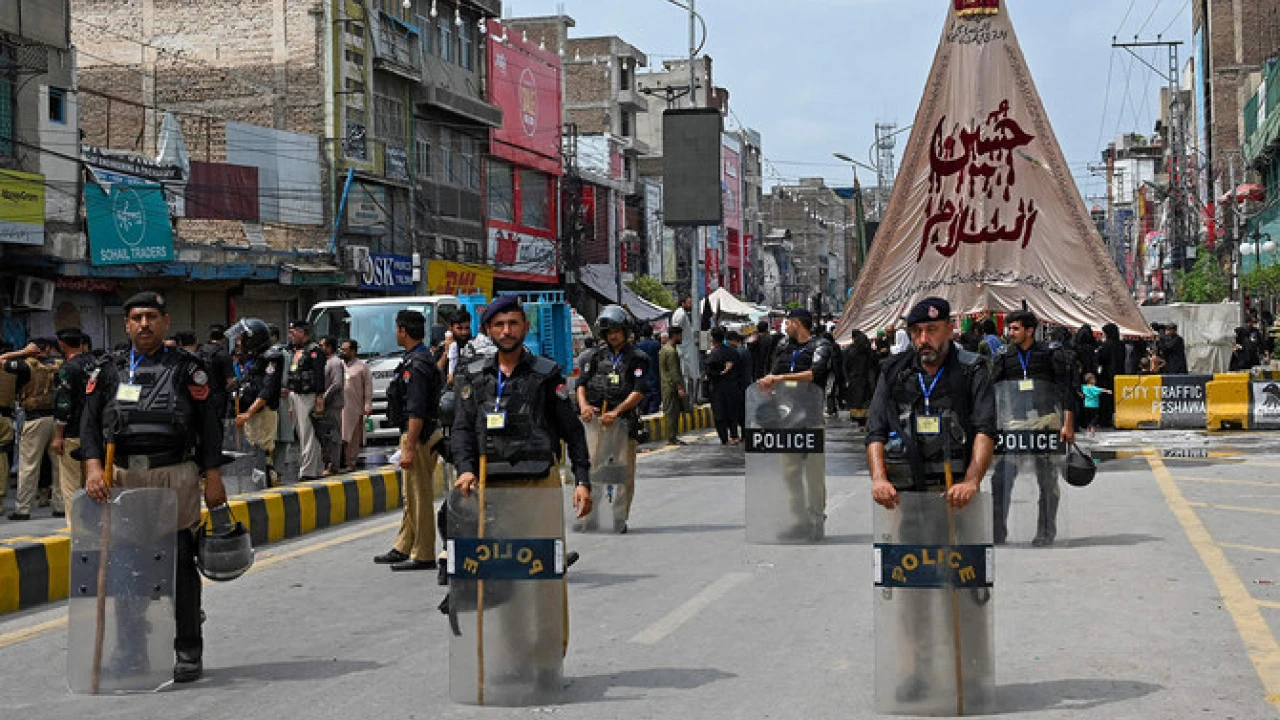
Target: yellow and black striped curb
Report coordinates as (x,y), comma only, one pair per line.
(700,419)
(36,570)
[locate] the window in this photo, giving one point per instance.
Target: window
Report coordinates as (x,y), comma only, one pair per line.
(535,199)
(466,45)
(448,155)
(353,86)
(626,121)
(501,193)
(471,252)
(355,57)
(58,105)
(355,29)
(421,152)
(388,119)
(449,247)
(446,39)
(468,149)
(425,35)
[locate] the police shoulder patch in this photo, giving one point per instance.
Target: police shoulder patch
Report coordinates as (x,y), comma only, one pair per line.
(562,391)
(200,377)
(466,392)
(198,392)
(93,381)
(639,372)
(271,368)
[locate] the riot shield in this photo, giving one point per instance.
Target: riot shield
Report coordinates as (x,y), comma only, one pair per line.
(786,466)
(1027,480)
(120,626)
(612,463)
(508,607)
(247,471)
(933,611)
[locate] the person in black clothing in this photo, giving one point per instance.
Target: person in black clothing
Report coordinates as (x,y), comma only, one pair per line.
(861,372)
(1111,361)
(721,365)
(68,408)
(258,391)
(761,346)
(1023,358)
(1244,354)
(650,347)
(1085,346)
(744,369)
(222,371)
(1174,351)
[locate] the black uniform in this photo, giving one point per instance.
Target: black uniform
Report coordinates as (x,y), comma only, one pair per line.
(69,393)
(536,416)
(306,369)
(414,392)
(961,399)
(611,378)
(726,389)
(1043,363)
(170,422)
(260,378)
(817,355)
(221,367)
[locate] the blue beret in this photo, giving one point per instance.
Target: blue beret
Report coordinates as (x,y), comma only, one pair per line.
(501,304)
(800,314)
(929,310)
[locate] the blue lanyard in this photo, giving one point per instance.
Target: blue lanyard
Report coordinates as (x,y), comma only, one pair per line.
(616,359)
(1025,361)
(502,384)
(928,392)
(796,354)
(134,360)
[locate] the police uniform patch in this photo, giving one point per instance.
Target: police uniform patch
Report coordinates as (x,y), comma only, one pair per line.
(562,391)
(407,374)
(93,382)
(271,368)
(639,372)
(466,392)
(200,377)
(198,392)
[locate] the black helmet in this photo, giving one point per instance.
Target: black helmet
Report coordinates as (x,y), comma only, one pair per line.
(1080,467)
(255,334)
(612,317)
(224,550)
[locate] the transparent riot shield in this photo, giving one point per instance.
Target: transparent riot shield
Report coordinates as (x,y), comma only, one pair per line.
(786,467)
(508,606)
(1027,479)
(612,463)
(120,626)
(933,611)
(247,471)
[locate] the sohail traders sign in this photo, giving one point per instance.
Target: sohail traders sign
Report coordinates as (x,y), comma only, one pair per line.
(128,224)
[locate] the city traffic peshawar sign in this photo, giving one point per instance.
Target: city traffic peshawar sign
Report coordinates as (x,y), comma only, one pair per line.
(984,211)
(128,224)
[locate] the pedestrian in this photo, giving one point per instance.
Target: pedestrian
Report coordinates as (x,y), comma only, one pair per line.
(761,346)
(1091,394)
(683,319)
(217,361)
(1026,359)
(611,389)
(413,404)
(901,343)
(258,391)
(675,393)
(744,368)
(35,369)
(1111,360)
(989,334)
(154,404)
(835,380)
(1174,350)
(1086,348)
(803,357)
(68,407)
(334,400)
(305,381)
(651,347)
(861,371)
(883,344)
(1244,353)
(724,387)
(357,405)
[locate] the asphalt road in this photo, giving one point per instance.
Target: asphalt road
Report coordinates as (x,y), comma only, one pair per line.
(1164,605)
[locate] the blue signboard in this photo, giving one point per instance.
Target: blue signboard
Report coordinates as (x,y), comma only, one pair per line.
(387,272)
(128,224)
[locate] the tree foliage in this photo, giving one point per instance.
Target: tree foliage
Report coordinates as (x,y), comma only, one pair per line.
(1262,281)
(1206,283)
(654,291)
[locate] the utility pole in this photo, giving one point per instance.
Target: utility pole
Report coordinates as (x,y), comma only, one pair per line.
(695,234)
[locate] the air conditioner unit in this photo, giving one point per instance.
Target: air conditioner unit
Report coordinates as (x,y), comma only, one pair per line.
(356,257)
(33,293)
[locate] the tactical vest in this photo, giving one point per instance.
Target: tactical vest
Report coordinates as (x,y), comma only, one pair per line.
(527,446)
(791,358)
(163,417)
(69,395)
(37,394)
(302,378)
(922,454)
(601,388)
(255,380)
(398,392)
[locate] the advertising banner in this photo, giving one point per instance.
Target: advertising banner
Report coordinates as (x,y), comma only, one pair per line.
(128,224)
(451,278)
(387,272)
(524,80)
(522,256)
(21,208)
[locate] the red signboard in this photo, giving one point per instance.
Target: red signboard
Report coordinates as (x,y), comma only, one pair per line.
(731,178)
(524,80)
(219,191)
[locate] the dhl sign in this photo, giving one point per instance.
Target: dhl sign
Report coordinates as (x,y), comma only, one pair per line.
(450,278)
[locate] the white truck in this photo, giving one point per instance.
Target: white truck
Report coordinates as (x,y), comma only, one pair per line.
(371,322)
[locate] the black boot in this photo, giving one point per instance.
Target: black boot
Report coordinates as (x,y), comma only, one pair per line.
(189,666)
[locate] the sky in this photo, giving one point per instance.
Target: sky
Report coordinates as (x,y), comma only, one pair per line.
(815,76)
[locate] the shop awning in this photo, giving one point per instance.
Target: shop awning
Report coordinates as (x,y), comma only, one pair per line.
(603,281)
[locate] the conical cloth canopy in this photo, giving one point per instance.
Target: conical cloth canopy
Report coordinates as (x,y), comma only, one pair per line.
(984,211)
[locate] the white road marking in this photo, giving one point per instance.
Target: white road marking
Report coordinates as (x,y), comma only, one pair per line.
(686,612)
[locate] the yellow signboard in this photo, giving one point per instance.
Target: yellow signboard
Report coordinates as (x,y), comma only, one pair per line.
(450,278)
(21,208)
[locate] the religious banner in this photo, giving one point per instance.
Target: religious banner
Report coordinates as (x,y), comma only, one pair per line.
(985,212)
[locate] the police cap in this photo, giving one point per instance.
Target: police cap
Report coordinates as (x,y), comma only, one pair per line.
(501,304)
(929,310)
(146,299)
(302,325)
(800,314)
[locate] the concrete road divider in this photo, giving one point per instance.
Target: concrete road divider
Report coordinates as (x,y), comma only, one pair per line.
(700,419)
(1226,401)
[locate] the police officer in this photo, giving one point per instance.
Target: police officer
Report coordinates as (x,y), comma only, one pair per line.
(153,404)
(219,365)
(1025,358)
(35,369)
(803,357)
(68,407)
(934,386)
(413,404)
(305,381)
(613,383)
(258,392)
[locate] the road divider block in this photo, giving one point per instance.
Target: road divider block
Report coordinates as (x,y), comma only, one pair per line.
(700,418)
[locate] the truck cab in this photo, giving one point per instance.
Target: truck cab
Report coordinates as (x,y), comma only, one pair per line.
(371,322)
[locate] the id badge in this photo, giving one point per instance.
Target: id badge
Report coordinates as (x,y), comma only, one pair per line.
(129,393)
(1026,385)
(928,425)
(495,420)
(614,378)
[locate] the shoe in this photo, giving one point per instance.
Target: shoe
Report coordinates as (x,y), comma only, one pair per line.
(389,557)
(19,516)
(1041,541)
(414,565)
(188,668)
(442,571)
(570,559)
(623,531)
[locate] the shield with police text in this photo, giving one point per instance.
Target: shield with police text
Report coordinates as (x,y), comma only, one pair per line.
(508,607)
(786,484)
(1027,479)
(613,462)
(120,625)
(934,577)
